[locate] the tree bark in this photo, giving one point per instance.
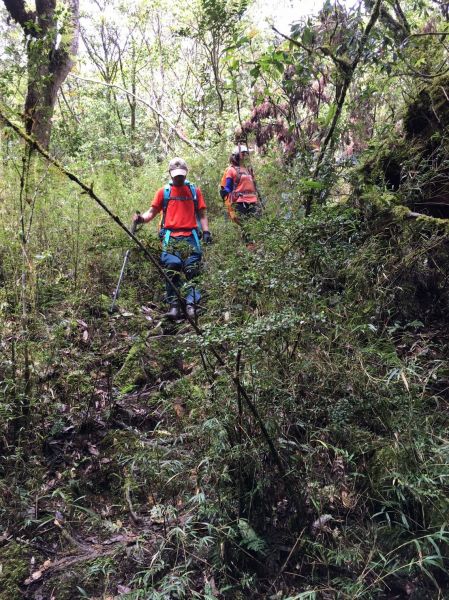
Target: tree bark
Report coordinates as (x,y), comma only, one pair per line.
(52,42)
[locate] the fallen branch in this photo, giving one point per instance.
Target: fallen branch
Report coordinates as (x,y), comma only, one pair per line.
(134,516)
(48,568)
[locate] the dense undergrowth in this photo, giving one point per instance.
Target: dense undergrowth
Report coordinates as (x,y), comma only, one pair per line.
(133,467)
(141,460)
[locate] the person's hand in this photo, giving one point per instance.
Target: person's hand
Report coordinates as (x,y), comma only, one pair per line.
(137,218)
(207,238)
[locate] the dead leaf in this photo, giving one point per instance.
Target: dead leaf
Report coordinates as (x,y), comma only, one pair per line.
(93,450)
(179,409)
(59,519)
(321,523)
(34,577)
(404,380)
(347,499)
(85,335)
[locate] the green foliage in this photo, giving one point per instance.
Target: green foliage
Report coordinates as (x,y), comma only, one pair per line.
(14,570)
(128,441)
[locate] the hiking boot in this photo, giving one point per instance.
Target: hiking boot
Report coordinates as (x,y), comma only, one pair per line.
(191,311)
(174,313)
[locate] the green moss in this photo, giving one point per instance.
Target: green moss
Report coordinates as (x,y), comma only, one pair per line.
(185,389)
(387,461)
(403,212)
(118,443)
(188,393)
(400,212)
(148,361)
(135,370)
(166,356)
(67,585)
(413,165)
(429,111)
(14,570)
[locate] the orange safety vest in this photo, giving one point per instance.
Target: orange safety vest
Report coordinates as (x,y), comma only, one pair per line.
(244,189)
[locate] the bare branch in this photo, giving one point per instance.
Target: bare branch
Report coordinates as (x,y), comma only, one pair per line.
(181,136)
(339,62)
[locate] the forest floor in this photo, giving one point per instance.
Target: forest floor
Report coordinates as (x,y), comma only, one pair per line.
(88,518)
(141,476)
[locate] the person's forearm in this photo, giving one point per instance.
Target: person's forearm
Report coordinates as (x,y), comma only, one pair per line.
(149,214)
(204,222)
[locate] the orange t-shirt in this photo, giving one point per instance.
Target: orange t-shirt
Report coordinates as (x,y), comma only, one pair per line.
(244,191)
(180,216)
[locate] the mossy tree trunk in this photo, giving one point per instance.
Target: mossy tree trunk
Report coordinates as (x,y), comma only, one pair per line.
(52,42)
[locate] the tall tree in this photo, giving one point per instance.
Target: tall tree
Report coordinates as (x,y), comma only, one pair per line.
(51,32)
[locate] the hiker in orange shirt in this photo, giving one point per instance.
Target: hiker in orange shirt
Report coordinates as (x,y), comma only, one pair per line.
(238,188)
(184,221)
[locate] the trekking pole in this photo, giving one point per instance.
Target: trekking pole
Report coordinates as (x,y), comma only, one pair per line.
(123,269)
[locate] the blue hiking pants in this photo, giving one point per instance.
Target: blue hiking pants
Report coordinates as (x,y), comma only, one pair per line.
(181,256)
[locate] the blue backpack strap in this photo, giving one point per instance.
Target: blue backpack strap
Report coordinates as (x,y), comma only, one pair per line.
(195,203)
(166,239)
(194,194)
(167,191)
(196,237)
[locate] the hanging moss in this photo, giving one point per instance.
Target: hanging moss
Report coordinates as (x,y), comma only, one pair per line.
(429,112)
(415,166)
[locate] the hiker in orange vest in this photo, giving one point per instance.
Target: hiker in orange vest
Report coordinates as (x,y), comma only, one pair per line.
(183,222)
(238,188)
